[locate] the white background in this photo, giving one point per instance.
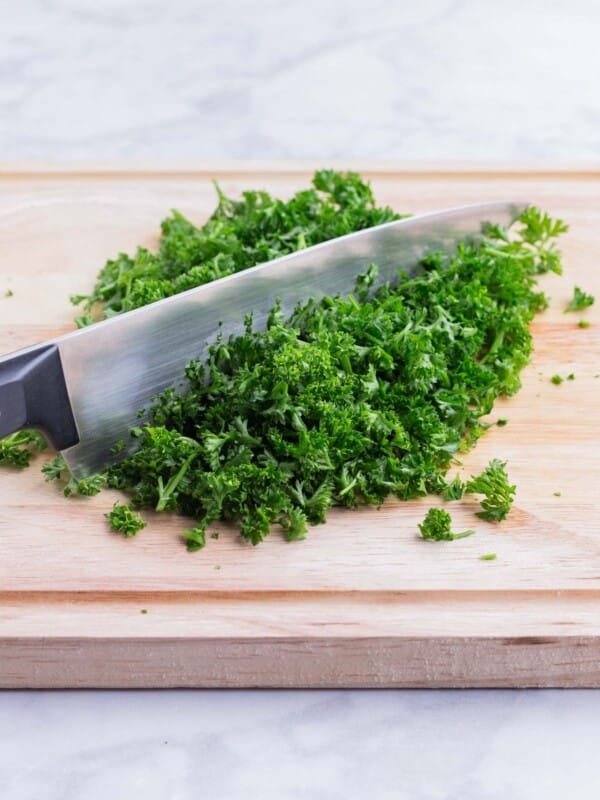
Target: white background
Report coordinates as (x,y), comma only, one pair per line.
(431,80)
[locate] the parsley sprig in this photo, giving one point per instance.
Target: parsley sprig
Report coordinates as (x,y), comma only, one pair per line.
(580,300)
(437,527)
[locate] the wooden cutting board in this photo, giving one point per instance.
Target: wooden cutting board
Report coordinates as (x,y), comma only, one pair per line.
(363,601)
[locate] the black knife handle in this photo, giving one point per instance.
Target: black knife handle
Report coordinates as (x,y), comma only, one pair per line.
(33,394)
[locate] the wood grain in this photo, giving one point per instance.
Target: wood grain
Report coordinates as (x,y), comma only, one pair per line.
(362,602)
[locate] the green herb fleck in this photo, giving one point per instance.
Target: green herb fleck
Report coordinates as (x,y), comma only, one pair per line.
(557,380)
(488,557)
(501,423)
(580,300)
(584,323)
(9,293)
(144,611)
(556,494)
(437,527)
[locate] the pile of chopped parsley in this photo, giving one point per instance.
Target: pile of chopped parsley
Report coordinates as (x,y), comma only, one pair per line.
(239,234)
(349,401)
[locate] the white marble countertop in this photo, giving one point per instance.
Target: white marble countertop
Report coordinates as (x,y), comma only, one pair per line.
(327,79)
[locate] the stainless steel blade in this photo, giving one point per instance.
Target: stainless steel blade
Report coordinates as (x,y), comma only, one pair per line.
(114,368)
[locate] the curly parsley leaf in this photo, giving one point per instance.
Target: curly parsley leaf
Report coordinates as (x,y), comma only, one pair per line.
(580,300)
(124,520)
(18,449)
(498,492)
(437,527)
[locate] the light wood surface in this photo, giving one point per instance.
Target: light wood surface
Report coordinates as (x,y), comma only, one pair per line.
(363,601)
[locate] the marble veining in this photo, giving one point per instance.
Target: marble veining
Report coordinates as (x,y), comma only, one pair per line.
(327,79)
(304,745)
(340,79)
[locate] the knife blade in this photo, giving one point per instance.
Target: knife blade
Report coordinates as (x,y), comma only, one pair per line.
(85,389)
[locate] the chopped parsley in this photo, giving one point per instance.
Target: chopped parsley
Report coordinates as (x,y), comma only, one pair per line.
(584,323)
(18,449)
(488,557)
(124,520)
(557,379)
(501,423)
(239,234)
(437,527)
(85,487)
(580,300)
(9,293)
(454,489)
(498,492)
(353,398)
(195,538)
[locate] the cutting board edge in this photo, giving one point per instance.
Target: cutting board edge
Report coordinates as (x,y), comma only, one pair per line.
(368,662)
(280,168)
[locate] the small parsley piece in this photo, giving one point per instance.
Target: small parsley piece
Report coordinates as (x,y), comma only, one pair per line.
(295,525)
(571,376)
(9,293)
(455,489)
(124,520)
(195,538)
(557,380)
(437,527)
(498,492)
(557,494)
(501,422)
(54,469)
(18,449)
(584,323)
(214,535)
(488,557)
(144,611)
(85,487)
(580,300)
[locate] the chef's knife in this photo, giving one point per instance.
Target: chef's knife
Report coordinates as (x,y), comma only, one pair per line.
(85,390)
